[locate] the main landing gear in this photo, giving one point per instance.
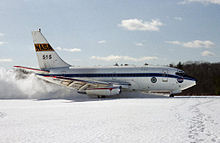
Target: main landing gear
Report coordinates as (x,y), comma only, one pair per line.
(171,95)
(101,96)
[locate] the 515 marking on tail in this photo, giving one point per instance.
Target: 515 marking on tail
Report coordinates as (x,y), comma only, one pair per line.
(46,57)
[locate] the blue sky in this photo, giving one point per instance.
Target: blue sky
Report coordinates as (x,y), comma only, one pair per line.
(98,32)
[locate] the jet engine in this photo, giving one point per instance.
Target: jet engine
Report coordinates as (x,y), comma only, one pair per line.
(105,91)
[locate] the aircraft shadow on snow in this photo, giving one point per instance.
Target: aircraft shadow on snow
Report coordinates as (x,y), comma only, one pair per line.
(84,98)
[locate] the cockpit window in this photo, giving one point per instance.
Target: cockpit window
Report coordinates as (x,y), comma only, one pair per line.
(180,73)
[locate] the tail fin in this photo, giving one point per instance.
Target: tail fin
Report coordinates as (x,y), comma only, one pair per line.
(47,57)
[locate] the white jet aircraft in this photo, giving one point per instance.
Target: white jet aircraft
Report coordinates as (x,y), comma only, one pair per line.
(105,81)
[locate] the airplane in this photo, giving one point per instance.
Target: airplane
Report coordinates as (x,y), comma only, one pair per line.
(105,81)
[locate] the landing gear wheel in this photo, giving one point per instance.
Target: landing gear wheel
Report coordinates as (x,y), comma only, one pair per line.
(171,95)
(101,96)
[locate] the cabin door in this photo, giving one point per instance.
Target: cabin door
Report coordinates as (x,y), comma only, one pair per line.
(114,76)
(165,75)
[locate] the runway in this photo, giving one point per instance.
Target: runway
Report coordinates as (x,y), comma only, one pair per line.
(141,119)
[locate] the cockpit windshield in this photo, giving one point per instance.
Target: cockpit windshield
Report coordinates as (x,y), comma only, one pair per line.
(180,73)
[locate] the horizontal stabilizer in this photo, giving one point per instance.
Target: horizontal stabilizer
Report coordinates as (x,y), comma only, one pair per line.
(31,70)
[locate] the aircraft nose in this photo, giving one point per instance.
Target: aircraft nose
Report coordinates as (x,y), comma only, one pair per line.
(194,82)
(190,82)
(194,79)
(187,83)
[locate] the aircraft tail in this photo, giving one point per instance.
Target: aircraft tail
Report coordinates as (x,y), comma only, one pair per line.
(47,57)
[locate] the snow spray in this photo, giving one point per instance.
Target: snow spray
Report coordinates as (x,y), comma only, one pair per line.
(15,85)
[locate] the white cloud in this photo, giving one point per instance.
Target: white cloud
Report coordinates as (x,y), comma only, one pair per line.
(6,60)
(139,44)
(178,18)
(102,41)
(207,53)
(201,1)
(173,42)
(198,44)
(193,44)
(69,50)
(140,25)
(123,58)
(2,43)
(2,34)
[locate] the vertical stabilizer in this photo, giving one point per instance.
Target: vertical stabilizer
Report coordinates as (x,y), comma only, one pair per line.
(47,57)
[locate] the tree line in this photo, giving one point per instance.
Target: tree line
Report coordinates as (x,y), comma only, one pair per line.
(206,74)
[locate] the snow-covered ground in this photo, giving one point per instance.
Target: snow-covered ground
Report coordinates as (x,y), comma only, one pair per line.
(34,111)
(160,119)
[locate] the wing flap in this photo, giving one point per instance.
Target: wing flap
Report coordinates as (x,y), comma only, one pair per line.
(77,84)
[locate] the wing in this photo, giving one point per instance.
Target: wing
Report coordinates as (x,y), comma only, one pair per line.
(86,85)
(82,85)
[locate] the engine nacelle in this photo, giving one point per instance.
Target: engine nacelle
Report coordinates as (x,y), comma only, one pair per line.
(106,91)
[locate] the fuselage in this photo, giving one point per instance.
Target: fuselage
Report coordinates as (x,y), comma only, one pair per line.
(149,79)
(107,81)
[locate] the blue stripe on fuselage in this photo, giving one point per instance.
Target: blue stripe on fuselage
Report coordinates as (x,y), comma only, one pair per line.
(118,75)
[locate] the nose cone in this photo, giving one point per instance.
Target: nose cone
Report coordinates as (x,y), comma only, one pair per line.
(192,83)
(187,83)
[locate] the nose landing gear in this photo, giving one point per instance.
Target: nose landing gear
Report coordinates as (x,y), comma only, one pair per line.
(171,95)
